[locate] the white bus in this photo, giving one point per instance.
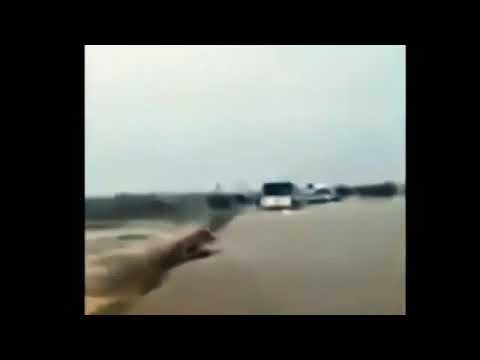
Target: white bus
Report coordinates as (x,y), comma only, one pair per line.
(281,195)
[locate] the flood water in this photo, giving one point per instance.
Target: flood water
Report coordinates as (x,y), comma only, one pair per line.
(334,259)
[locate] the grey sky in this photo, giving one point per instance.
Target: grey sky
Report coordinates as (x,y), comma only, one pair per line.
(161,118)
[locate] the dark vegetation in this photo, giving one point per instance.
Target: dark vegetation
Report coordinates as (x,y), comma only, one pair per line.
(130,207)
(386,189)
(102,212)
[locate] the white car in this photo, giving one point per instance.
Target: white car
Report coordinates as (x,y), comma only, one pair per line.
(321,193)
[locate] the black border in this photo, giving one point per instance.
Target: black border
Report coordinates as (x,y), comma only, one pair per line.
(78,182)
(416,121)
(74,70)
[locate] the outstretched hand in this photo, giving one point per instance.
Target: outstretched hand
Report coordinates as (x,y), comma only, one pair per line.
(122,278)
(188,248)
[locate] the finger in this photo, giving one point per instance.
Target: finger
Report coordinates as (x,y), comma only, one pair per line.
(205,234)
(188,248)
(198,237)
(204,253)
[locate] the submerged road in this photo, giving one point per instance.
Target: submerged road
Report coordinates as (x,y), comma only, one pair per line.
(339,258)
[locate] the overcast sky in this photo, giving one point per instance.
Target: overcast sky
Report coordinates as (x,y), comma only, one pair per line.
(181,118)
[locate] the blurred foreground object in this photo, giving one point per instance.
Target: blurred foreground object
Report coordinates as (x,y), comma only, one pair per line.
(115,280)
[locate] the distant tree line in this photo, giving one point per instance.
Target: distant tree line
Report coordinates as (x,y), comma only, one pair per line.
(123,207)
(385,189)
(182,207)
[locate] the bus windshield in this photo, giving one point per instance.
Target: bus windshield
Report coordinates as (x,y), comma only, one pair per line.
(322,192)
(278,189)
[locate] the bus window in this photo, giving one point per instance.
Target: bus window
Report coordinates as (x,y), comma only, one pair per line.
(278,189)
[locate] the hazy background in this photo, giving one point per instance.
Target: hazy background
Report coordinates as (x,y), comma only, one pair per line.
(181,118)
